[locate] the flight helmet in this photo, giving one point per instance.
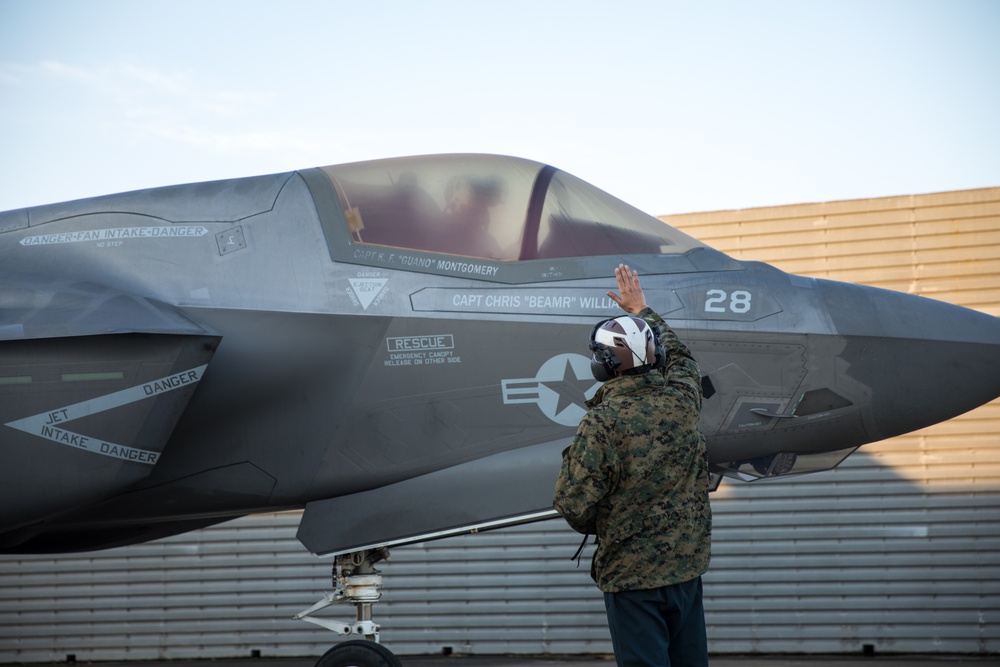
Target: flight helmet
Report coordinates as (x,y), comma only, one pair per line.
(623,344)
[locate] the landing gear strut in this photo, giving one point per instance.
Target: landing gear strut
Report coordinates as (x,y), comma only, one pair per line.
(356,581)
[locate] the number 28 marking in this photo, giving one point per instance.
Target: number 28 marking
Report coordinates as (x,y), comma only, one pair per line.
(721,301)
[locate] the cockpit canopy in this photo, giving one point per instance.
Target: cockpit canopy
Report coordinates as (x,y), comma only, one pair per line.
(493,207)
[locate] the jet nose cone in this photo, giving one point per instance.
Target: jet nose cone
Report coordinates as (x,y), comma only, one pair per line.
(925,361)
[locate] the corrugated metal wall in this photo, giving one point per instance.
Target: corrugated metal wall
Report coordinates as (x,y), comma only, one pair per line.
(899,548)
(232,589)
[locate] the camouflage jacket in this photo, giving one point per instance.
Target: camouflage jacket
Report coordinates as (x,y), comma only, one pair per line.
(636,475)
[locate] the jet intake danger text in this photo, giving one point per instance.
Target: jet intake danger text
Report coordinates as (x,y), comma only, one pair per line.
(99,446)
(44,426)
(424,350)
(168,383)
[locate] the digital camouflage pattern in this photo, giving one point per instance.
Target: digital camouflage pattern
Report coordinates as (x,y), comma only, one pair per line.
(636,475)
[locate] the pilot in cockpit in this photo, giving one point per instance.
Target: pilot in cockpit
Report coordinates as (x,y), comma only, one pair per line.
(468,201)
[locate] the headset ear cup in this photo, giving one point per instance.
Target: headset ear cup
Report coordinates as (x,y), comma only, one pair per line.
(599,370)
(603,362)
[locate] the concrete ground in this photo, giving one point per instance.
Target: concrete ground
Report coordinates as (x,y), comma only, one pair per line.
(715,661)
(591,661)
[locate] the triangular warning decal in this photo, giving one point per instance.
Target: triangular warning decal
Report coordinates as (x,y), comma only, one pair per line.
(366,289)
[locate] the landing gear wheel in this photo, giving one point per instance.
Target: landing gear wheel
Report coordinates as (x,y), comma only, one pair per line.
(359,653)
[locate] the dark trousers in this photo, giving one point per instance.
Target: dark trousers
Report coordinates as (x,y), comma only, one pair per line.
(662,627)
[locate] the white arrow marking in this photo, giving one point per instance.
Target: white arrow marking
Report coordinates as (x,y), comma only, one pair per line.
(47,424)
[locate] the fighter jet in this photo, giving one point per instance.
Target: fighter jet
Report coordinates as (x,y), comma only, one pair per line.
(400,348)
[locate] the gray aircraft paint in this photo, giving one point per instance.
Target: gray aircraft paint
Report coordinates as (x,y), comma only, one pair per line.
(395,390)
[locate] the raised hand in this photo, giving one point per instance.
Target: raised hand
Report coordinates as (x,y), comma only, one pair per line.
(632,300)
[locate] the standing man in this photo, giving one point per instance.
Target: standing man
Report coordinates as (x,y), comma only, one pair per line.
(636,476)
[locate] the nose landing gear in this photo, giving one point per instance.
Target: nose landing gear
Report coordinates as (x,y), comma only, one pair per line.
(356,581)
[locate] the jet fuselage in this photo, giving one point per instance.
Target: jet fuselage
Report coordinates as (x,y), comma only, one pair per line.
(400,347)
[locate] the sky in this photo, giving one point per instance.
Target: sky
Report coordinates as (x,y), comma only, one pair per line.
(672,106)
